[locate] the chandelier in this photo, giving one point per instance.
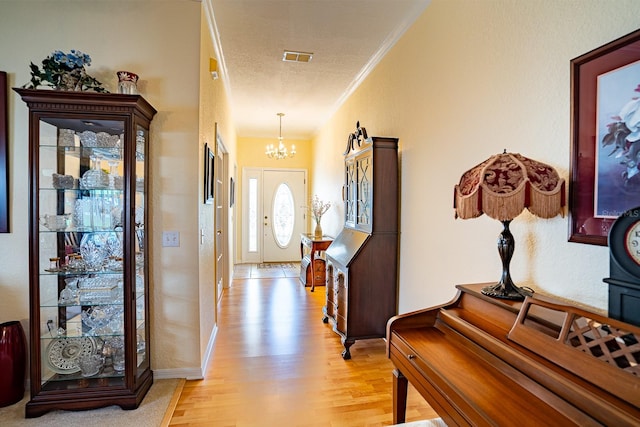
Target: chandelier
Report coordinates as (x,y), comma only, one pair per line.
(281,151)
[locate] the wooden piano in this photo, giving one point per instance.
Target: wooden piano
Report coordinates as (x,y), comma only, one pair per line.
(480,361)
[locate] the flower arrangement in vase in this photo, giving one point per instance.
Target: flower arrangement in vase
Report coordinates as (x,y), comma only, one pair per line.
(64,71)
(318,208)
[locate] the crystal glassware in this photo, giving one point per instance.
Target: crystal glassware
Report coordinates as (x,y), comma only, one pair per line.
(88,139)
(114,347)
(66,138)
(90,364)
(114,183)
(95,178)
(94,249)
(55,222)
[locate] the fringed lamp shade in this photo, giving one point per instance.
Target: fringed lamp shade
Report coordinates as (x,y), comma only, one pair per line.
(505,184)
(502,187)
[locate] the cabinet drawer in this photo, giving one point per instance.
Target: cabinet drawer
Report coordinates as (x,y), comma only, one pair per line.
(331,293)
(404,350)
(341,303)
(331,309)
(319,270)
(341,297)
(341,323)
(342,310)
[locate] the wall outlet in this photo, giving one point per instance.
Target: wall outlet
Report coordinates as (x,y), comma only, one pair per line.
(170,238)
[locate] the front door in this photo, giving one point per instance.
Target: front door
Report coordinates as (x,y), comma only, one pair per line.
(284,214)
(274,214)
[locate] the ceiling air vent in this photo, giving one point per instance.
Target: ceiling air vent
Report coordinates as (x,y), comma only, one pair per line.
(293,56)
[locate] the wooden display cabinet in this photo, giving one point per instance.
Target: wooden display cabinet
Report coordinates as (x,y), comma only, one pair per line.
(362,261)
(88,276)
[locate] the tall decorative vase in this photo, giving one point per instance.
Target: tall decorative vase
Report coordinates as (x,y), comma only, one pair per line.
(13,362)
(127,82)
(317,233)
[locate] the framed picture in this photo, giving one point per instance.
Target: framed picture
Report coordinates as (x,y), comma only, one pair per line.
(605,151)
(232,192)
(4,155)
(208,174)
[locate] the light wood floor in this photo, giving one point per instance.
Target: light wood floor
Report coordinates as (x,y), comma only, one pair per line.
(276,364)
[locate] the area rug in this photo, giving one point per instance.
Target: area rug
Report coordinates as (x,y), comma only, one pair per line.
(154,411)
(276,265)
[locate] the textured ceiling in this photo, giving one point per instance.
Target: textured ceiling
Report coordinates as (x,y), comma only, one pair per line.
(347,39)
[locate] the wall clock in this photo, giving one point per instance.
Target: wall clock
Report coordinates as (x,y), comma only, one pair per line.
(624,267)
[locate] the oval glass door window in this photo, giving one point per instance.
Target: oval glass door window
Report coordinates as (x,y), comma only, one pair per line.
(283,215)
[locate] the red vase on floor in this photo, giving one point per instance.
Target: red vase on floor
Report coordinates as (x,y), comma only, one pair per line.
(13,360)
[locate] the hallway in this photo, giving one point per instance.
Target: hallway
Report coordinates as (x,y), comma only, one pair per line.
(276,364)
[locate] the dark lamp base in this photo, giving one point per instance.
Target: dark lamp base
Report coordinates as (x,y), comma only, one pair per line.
(506,292)
(505,288)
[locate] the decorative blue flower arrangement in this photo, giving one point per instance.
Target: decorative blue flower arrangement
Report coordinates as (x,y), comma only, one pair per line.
(64,71)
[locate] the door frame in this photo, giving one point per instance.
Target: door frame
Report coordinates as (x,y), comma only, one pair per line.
(258,173)
(222,199)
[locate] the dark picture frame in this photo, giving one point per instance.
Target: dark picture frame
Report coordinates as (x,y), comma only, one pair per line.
(232,192)
(603,181)
(4,154)
(208,183)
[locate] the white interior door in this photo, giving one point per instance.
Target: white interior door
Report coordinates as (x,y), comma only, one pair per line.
(283,209)
(221,201)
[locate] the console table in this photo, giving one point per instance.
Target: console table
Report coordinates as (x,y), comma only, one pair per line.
(311,252)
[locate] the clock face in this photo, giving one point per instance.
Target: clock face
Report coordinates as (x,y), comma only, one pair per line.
(632,241)
(624,245)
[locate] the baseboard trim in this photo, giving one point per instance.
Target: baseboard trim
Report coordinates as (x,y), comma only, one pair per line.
(190,373)
(210,345)
(186,373)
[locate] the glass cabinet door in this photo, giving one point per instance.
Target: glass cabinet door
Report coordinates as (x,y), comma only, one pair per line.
(141,268)
(364,190)
(80,208)
(349,193)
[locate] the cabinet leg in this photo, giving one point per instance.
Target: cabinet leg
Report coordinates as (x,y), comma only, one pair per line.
(400,384)
(346,354)
(313,272)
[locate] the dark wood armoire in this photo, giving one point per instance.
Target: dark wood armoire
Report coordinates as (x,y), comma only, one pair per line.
(362,261)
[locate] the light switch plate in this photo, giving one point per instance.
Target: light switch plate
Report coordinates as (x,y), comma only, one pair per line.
(170,238)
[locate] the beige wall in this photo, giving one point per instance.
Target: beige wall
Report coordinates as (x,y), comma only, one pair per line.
(215,117)
(251,151)
(467,80)
(131,36)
